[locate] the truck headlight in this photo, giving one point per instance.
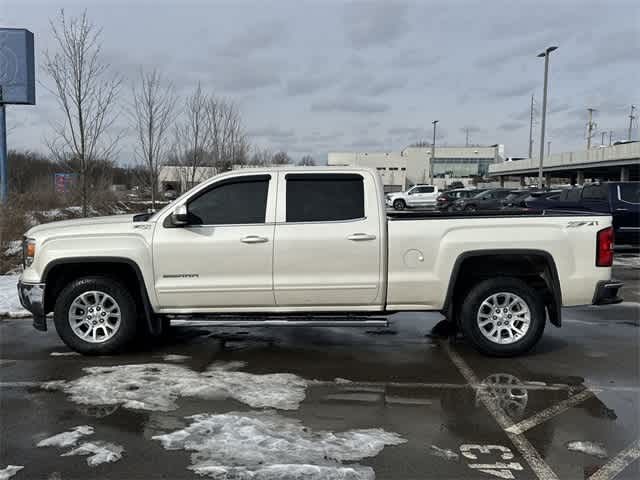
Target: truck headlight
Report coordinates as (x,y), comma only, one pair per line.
(28,251)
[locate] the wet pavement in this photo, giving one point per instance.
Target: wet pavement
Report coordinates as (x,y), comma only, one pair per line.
(331,403)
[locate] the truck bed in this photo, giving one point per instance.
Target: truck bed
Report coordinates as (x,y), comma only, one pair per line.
(439,215)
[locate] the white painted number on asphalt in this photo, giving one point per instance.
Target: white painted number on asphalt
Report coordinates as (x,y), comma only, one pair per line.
(498,469)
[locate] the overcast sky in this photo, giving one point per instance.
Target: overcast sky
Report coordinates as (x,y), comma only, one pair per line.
(323,75)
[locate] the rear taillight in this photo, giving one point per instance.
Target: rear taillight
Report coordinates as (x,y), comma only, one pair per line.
(604,248)
(441,199)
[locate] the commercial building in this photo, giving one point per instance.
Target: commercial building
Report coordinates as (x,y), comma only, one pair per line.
(401,170)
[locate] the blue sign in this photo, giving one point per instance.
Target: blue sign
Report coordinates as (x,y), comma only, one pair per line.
(17,67)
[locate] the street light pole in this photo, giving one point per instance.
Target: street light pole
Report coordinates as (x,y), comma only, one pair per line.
(433,152)
(544,54)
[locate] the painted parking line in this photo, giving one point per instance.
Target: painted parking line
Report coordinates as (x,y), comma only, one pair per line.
(550,412)
(537,464)
(617,464)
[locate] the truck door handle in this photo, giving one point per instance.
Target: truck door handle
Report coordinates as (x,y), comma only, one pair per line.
(622,210)
(361,237)
(254,239)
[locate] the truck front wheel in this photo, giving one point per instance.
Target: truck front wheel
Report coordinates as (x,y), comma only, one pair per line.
(503,316)
(95,315)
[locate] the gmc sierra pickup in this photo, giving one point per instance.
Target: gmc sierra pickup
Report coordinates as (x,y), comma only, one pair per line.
(312,243)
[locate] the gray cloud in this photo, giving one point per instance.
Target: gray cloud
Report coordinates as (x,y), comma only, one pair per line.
(412,131)
(511,126)
(240,76)
(349,105)
(414,58)
(366,84)
(272,133)
(511,91)
(375,23)
(309,83)
(253,39)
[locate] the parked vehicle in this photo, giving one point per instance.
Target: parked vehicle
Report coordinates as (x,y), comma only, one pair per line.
(619,199)
(445,200)
(516,199)
(416,196)
(488,200)
(294,242)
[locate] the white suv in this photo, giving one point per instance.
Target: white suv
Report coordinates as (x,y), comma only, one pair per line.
(416,196)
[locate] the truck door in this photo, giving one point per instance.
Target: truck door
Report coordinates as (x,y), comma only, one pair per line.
(328,241)
(423,195)
(222,259)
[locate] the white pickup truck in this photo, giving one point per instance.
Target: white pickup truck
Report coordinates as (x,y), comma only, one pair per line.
(416,196)
(308,246)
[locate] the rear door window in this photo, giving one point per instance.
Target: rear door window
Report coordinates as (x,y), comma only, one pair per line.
(324,197)
(629,192)
(594,192)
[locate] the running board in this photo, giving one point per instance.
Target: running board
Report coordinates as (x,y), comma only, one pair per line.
(279,323)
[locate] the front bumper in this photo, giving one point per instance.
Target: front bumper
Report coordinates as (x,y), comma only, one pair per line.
(31,297)
(607,292)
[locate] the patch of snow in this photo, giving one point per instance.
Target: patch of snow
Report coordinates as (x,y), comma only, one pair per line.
(10,471)
(67,439)
(64,354)
(9,303)
(175,358)
(444,453)
(589,448)
(157,386)
(265,446)
(342,381)
(99,452)
(14,248)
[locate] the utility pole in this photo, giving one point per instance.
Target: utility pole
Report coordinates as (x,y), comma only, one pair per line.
(4,181)
(632,117)
(531,129)
(544,54)
(610,137)
(466,130)
(591,125)
(548,148)
(602,139)
(433,152)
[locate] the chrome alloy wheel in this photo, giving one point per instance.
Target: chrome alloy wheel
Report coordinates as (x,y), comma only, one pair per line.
(94,316)
(504,318)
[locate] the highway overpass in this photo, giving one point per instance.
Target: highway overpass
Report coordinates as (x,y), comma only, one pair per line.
(617,162)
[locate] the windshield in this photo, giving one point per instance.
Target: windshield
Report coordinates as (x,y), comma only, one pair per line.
(629,192)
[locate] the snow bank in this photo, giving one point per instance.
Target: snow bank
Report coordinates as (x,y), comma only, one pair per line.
(66,439)
(589,448)
(10,471)
(9,303)
(157,386)
(266,446)
(99,452)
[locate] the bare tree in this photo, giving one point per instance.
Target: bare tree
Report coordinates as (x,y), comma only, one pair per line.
(228,143)
(86,93)
(281,158)
(260,157)
(192,138)
(153,108)
(307,161)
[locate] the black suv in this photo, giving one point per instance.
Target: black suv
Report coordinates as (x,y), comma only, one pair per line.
(446,199)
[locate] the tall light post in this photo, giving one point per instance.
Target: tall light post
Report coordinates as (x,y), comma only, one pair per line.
(433,152)
(544,54)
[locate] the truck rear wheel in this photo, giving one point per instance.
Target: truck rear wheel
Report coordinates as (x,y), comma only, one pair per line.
(95,315)
(503,316)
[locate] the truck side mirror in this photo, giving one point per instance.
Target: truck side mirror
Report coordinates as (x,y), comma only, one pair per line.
(180,216)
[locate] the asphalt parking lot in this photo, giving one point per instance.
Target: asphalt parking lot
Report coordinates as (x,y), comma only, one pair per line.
(325,403)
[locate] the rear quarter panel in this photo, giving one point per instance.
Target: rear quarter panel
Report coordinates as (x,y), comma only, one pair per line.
(422,253)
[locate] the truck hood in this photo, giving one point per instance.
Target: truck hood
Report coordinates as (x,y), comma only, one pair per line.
(80,223)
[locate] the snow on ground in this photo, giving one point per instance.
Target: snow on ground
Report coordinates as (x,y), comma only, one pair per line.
(14,248)
(588,448)
(266,445)
(66,439)
(9,303)
(10,471)
(444,453)
(98,451)
(64,354)
(172,357)
(157,386)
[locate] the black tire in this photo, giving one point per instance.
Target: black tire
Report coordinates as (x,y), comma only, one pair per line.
(124,334)
(470,208)
(399,205)
(483,290)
